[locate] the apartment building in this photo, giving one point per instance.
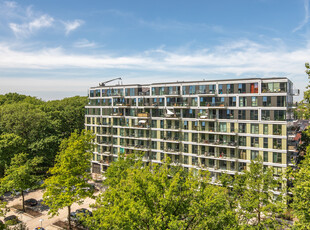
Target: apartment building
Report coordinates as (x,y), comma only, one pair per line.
(219,126)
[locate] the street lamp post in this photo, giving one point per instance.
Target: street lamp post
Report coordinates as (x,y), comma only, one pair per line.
(41,220)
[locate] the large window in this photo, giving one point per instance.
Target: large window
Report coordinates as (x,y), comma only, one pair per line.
(265,142)
(254,128)
(254,114)
(277,158)
(281,101)
(230,88)
(279,115)
(277,129)
(254,155)
(242,128)
(277,143)
(265,129)
(241,114)
(220,89)
(242,141)
(265,156)
(241,88)
(254,88)
(266,115)
(242,101)
(254,101)
(266,101)
(274,87)
(254,142)
(223,127)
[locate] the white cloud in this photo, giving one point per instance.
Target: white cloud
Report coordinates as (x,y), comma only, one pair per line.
(72,25)
(84,43)
(306,18)
(10,4)
(26,29)
(241,58)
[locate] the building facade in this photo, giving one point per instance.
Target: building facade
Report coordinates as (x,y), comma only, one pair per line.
(219,126)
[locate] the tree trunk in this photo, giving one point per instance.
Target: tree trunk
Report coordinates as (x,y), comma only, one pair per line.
(69,219)
(23,197)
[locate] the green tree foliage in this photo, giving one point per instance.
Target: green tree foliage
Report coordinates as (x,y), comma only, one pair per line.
(252,195)
(160,197)
(21,175)
(69,177)
(10,144)
(301,192)
(41,125)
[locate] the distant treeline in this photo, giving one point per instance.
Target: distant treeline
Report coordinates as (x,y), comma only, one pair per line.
(36,127)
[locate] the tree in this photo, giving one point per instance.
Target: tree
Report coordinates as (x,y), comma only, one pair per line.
(300,177)
(21,175)
(253,195)
(69,177)
(10,144)
(161,197)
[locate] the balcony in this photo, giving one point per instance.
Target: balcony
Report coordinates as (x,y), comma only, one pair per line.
(143,115)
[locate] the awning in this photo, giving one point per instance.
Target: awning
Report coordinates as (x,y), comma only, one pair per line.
(142,121)
(170,112)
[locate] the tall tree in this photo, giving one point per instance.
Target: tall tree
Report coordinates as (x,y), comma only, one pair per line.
(10,144)
(160,197)
(255,194)
(21,175)
(69,177)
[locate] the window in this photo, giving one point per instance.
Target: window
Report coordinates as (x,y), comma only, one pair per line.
(254,128)
(242,128)
(241,114)
(254,88)
(254,101)
(265,143)
(254,155)
(277,129)
(232,127)
(223,127)
(280,115)
(242,141)
(277,143)
(254,142)
(220,89)
(266,115)
(192,89)
(254,115)
(212,89)
(91,93)
(185,160)
(185,135)
(281,101)
(242,101)
(232,101)
(230,88)
(185,148)
(202,89)
(277,158)
(265,129)
(277,171)
(265,156)
(241,88)
(266,101)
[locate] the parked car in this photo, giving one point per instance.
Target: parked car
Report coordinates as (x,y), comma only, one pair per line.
(82,212)
(31,202)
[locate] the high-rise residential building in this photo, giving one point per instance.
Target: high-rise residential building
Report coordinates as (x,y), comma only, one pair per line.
(219,126)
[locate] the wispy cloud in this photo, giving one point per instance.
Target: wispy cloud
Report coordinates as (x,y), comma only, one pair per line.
(84,43)
(237,58)
(10,4)
(72,25)
(306,18)
(26,29)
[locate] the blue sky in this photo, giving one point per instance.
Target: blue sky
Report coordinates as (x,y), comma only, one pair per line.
(55,49)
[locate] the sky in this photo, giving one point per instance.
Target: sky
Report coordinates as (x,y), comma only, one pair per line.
(56,49)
